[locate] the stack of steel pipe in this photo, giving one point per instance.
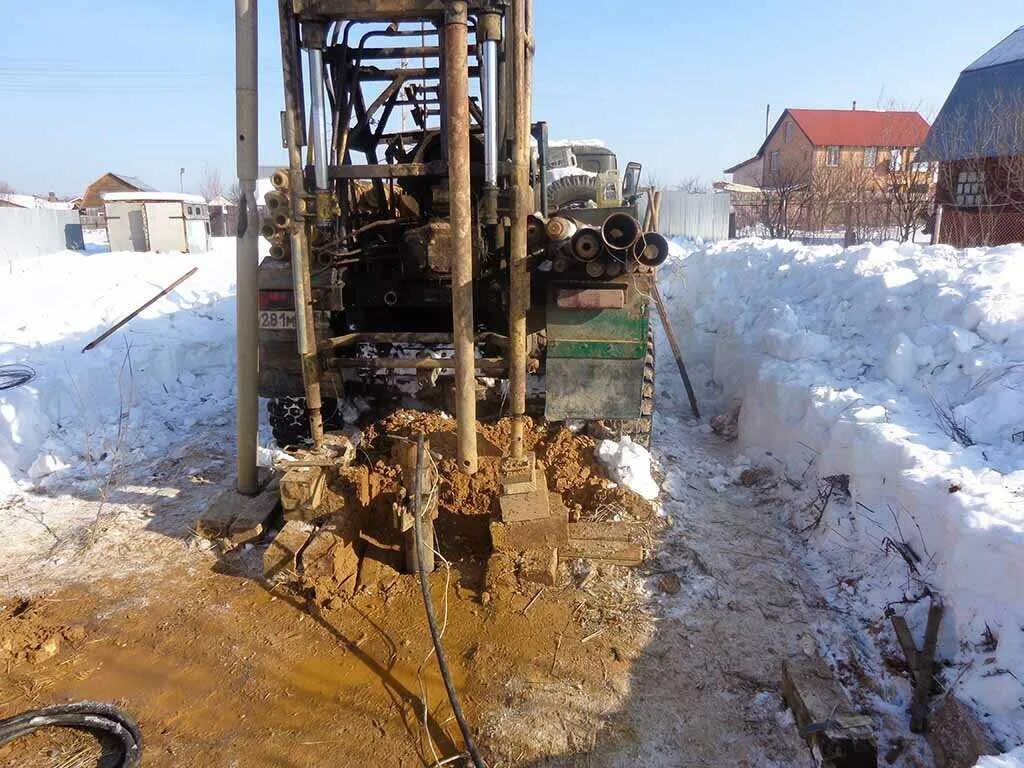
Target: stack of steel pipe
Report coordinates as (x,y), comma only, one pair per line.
(616,246)
(274,226)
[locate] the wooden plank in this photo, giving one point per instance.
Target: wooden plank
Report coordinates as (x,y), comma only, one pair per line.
(824,713)
(925,669)
(612,552)
(906,641)
(604,531)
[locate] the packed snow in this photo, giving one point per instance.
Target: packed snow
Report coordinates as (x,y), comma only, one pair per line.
(629,465)
(894,370)
(1012,759)
(142,389)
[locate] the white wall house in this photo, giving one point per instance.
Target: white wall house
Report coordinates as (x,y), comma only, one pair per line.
(157,221)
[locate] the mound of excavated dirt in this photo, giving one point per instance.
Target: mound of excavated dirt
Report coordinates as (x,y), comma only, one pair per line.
(568,460)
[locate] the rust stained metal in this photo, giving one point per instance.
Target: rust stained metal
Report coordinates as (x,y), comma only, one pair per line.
(591,298)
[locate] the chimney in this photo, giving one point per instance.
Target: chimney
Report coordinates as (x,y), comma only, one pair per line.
(854,105)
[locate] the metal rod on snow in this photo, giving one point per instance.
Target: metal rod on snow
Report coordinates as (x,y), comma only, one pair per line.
(667,325)
(95,342)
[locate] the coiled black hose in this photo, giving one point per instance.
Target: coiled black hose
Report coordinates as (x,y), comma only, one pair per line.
(15,375)
(93,716)
(428,604)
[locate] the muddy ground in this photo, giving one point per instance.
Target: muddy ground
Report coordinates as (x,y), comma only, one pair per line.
(675,663)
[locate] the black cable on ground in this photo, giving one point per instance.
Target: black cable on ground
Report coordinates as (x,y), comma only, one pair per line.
(15,375)
(96,717)
(428,604)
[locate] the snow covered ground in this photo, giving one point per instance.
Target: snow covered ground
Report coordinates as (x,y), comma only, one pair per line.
(141,390)
(895,372)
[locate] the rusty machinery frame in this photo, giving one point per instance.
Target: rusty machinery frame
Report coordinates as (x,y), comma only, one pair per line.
(309,25)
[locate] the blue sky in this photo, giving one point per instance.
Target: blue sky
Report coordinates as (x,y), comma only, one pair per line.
(145,87)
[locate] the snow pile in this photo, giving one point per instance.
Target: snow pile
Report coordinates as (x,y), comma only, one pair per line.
(629,465)
(168,370)
(1013,759)
(898,370)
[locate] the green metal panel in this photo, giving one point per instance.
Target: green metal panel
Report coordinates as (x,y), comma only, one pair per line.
(595,357)
(599,333)
(593,389)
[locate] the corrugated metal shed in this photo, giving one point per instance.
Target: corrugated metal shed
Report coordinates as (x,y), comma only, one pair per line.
(984,113)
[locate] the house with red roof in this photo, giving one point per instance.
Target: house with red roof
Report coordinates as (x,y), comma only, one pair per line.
(806,141)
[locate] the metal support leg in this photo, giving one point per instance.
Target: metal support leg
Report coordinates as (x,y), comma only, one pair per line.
(247,247)
(301,281)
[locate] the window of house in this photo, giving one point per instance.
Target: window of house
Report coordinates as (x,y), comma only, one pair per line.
(970,188)
(190,210)
(773,160)
(789,132)
(896,159)
(832,156)
(870,157)
(918,165)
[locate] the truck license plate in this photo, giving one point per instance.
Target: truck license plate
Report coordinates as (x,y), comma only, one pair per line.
(277,321)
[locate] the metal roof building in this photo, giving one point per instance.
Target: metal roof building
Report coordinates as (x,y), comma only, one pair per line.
(984,113)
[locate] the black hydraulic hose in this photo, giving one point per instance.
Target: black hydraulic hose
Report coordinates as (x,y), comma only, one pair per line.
(92,716)
(428,604)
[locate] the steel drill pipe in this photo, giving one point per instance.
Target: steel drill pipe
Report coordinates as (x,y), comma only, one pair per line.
(586,244)
(620,232)
(536,232)
(651,249)
(305,328)
(275,201)
(456,68)
(522,205)
(279,179)
(561,228)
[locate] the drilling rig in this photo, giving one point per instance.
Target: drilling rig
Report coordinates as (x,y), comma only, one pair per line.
(412,232)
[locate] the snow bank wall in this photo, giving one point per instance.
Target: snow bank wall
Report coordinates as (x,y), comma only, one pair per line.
(857,362)
(31,232)
(170,369)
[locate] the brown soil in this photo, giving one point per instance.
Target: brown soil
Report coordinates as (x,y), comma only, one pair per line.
(218,665)
(27,634)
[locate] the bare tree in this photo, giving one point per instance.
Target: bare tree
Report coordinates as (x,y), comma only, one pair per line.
(233,193)
(693,185)
(784,196)
(210,186)
(908,190)
(5,188)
